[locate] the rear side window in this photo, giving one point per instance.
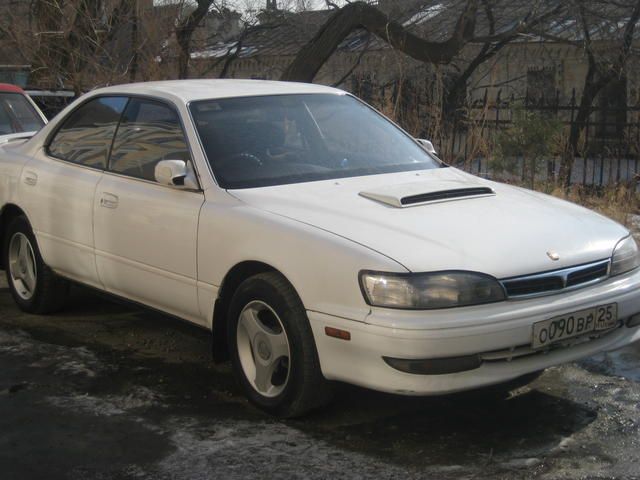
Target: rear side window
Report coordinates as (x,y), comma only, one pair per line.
(17,114)
(148,133)
(87,133)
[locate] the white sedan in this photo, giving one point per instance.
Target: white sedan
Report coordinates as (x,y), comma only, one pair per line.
(316,240)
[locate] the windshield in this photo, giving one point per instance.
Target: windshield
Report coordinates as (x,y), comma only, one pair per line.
(276,140)
(17,114)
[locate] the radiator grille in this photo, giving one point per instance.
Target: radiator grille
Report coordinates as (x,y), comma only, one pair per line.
(556,280)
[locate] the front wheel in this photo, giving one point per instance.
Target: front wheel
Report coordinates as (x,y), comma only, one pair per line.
(272,348)
(34,286)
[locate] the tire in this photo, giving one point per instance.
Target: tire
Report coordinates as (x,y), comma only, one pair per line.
(33,285)
(267,322)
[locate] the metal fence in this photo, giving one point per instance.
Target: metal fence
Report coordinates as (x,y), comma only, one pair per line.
(609,146)
(51,102)
(590,171)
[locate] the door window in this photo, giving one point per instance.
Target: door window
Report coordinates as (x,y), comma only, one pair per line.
(148,133)
(87,133)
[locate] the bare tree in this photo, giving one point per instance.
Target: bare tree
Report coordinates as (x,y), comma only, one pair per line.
(362,15)
(185,29)
(69,42)
(605,64)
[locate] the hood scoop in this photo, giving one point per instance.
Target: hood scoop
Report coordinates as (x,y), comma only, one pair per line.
(408,195)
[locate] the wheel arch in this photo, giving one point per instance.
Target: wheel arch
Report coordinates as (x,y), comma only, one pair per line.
(8,213)
(232,280)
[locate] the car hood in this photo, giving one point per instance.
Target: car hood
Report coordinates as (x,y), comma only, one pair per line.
(498,229)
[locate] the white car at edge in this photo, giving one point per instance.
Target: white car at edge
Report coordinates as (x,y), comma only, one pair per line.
(314,238)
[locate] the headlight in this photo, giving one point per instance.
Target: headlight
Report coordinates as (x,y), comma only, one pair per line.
(425,291)
(625,256)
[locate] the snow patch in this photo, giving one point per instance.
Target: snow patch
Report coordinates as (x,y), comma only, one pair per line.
(64,361)
(521,462)
(425,14)
(138,398)
(87,404)
(221,49)
(230,449)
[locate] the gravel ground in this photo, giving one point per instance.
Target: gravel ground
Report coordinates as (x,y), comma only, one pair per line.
(107,391)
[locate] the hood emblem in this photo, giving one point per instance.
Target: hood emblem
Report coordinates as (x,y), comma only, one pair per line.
(553,255)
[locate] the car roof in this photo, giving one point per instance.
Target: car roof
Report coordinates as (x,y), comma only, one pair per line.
(190,90)
(7,87)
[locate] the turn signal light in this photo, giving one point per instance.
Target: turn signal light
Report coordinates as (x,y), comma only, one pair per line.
(337,333)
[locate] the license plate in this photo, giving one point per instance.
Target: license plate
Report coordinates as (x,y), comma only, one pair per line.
(557,329)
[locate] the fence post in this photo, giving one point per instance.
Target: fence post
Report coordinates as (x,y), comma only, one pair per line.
(498,109)
(485,103)
(572,110)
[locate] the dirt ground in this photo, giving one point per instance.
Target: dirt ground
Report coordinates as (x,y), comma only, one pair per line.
(107,391)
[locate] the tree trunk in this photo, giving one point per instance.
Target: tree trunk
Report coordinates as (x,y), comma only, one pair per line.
(184,33)
(593,84)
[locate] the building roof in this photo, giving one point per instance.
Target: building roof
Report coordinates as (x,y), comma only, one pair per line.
(189,90)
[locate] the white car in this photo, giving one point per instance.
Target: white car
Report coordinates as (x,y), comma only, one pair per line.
(316,240)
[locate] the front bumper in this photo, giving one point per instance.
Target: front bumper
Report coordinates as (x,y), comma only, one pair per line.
(465,331)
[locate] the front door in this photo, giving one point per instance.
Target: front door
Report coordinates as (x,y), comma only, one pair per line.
(146,233)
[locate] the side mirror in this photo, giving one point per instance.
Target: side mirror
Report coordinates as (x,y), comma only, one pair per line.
(176,173)
(427,145)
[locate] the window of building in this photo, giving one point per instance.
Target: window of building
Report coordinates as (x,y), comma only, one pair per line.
(541,86)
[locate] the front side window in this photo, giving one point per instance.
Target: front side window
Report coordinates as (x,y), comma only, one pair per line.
(148,133)
(18,115)
(86,134)
(275,140)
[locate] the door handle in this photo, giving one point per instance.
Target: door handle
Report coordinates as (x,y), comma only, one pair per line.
(30,178)
(109,200)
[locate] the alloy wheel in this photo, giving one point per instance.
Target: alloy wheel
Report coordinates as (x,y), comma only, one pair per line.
(263,349)
(22,266)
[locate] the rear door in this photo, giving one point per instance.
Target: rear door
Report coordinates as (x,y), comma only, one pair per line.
(146,233)
(59,185)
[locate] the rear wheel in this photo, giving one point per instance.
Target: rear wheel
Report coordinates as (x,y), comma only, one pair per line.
(34,286)
(272,348)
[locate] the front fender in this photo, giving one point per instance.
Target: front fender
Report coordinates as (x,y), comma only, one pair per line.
(323,267)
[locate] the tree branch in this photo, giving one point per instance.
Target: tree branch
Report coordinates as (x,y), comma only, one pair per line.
(356,15)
